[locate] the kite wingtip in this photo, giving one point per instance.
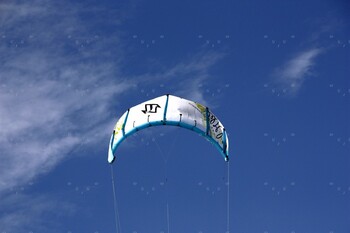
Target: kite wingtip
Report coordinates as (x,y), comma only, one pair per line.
(111,160)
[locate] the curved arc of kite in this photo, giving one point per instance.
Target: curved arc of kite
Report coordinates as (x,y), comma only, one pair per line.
(193,127)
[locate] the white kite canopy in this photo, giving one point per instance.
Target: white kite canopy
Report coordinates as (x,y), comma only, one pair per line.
(170,110)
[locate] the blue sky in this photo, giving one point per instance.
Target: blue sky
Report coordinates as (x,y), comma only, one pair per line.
(276,73)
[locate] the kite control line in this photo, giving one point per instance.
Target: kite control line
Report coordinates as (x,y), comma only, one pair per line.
(228,197)
(116,212)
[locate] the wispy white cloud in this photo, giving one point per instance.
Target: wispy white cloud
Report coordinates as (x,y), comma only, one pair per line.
(195,74)
(55,90)
(57,84)
(23,213)
(187,78)
(12,12)
(291,76)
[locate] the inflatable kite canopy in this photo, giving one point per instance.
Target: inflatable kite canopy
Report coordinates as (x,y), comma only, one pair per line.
(174,111)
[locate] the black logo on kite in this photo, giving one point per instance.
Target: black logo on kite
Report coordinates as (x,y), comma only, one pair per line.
(150,108)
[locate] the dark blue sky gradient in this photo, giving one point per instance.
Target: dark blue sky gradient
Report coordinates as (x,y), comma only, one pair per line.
(276,73)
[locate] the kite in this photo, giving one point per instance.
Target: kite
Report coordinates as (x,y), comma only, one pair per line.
(170,110)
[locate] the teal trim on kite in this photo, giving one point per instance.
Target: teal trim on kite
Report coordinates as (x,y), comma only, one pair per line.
(126,118)
(166,108)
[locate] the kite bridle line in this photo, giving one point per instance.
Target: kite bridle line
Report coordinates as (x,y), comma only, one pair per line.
(165,157)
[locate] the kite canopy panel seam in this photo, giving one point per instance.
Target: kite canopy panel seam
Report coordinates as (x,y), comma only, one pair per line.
(173,111)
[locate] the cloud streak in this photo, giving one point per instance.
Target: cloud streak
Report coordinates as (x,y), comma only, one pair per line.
(291,76)
(55,90)
(22,213)
(186,78)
